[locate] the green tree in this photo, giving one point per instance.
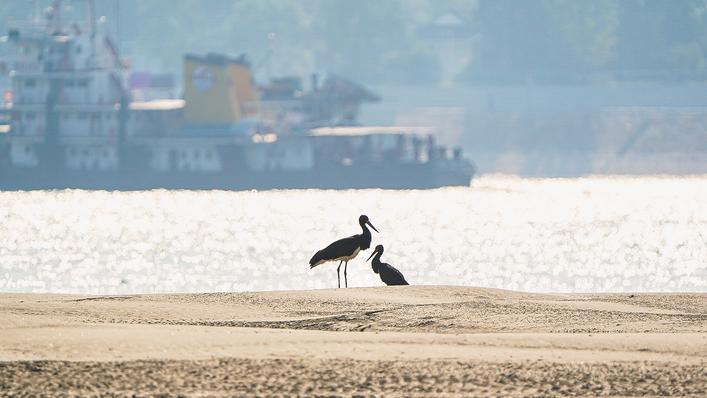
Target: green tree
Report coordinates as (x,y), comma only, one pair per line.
(662,40)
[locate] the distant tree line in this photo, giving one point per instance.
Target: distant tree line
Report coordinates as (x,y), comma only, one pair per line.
(572,41)
(544,41)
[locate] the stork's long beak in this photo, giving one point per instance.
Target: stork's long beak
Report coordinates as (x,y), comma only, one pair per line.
(371,225)
(372,254)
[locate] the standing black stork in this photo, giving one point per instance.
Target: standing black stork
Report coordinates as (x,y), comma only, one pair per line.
(345,249)
(389,275)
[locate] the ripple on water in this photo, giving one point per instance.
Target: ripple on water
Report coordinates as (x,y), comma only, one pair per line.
(585,235)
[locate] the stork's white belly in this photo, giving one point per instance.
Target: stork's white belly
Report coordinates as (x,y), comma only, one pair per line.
(344,258)
(347,258)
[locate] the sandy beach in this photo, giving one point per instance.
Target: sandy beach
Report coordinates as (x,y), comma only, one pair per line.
(393,341)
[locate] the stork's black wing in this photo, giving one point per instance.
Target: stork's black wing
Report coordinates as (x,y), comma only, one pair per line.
(341,248)
(391,276)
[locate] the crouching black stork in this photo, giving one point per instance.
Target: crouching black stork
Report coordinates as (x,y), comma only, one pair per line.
(389,275)
(345,249)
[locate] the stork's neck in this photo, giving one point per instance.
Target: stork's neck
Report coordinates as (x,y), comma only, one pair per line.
(377,258)
(375,264)
(365,237)
(366,231)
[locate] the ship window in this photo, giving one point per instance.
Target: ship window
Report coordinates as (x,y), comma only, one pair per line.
(30,83)
(72,151)
(28,150)
(85,152)
(30,115)
(69,83)
(82,82)
(78,49)
(197,154)
(83,115)
(67,116)
(208,155)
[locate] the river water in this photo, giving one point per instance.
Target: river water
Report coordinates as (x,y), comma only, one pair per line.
(594,234)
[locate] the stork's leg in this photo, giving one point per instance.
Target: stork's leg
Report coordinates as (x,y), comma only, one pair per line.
(346,282)
(338,277)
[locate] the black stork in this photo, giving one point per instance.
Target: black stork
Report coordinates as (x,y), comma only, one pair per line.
(389,275)
(345,249)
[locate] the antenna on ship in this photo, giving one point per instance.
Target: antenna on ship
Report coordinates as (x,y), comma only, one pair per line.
(92,24)
(117,25)
(54,17)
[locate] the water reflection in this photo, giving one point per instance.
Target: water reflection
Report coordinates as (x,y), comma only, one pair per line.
(589,234)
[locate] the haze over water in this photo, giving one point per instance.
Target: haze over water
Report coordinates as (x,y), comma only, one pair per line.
(596,234)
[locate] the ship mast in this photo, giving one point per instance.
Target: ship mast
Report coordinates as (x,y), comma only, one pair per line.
(54,17)
(92,24)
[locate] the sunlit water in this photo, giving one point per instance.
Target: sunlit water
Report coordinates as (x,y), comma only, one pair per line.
(593,234)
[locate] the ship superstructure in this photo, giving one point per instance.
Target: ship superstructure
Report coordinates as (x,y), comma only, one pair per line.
(75,125)
(68,103)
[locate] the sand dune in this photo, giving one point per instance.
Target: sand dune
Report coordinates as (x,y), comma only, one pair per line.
(419,340)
